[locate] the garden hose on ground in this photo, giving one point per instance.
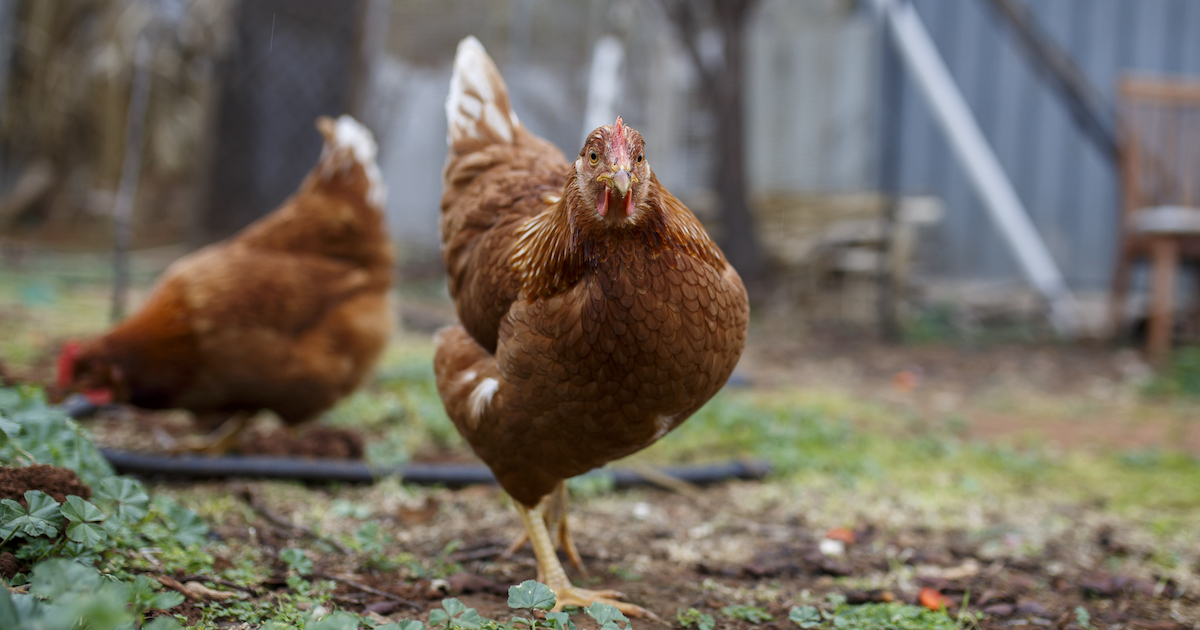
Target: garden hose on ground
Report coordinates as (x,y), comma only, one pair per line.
(346,471)
(349,471)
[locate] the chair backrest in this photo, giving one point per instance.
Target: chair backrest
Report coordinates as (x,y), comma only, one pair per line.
(1160,142)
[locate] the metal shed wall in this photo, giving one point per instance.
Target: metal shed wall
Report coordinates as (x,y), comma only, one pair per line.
(1068,187)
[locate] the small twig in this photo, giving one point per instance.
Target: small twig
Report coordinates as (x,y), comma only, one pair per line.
(280,521)
(196,591)
(226,583)
(368,589)
(490,551)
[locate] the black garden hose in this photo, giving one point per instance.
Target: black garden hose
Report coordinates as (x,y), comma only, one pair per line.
(345,471)
(348,471)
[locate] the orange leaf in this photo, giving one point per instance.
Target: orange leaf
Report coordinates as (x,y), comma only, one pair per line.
(842,534)
(906,380)
(933,600)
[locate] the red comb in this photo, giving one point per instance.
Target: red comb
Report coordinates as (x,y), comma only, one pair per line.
(66,364)
(618,138)
(620,149)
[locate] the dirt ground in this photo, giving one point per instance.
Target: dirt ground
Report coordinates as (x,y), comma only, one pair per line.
(1087,395)
(1026,559)
(758,544)
(1022,560)
(54,481)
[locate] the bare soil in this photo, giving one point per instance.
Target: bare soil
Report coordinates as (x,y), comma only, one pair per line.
(1070,396)
(751,543)
(54,481)
(316,442)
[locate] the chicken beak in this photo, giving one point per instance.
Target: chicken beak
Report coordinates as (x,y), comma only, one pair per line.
(620,183)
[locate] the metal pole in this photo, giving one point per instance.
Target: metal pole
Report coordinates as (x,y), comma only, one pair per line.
(8,31)
(890,118)
(135,125)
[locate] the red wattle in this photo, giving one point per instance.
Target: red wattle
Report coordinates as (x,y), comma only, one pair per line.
(602,203)
(99,397)
(66,364)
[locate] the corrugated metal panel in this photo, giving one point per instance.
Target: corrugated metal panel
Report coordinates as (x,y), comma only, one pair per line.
(1068,187)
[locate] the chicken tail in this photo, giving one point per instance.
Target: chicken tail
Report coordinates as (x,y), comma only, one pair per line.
(478,111)
(349,143)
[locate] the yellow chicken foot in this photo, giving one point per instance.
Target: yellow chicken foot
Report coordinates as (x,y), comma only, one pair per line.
(554,509)
(551,573)
(216,443)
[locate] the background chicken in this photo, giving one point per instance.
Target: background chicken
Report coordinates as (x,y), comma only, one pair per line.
(288,315)
(596,314)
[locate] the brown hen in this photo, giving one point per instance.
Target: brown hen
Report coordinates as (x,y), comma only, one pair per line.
(596,313)
(288,315)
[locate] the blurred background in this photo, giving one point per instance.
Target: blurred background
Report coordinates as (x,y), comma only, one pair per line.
(862,206)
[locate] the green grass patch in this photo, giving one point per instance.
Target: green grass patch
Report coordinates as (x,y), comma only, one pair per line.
(1181,377)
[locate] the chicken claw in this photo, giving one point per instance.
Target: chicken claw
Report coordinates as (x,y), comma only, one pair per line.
(551,570)
(581,597)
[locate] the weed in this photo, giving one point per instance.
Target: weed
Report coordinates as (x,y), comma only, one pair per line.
(872,616)
(694,618)
(753,614)
(65,541)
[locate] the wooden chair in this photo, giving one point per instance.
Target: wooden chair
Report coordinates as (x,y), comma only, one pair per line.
(1159,127)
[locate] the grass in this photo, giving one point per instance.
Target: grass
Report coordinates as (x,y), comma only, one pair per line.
(1180,379)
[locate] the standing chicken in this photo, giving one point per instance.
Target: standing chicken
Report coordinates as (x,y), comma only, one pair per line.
(596,314)
(289,314)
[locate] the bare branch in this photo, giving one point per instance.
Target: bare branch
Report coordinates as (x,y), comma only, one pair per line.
(682,13)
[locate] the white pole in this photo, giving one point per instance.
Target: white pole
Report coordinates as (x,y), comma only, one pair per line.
(983,168)
(604,84)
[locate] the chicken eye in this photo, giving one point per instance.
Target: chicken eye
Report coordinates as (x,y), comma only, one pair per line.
(594,157)
(639,159)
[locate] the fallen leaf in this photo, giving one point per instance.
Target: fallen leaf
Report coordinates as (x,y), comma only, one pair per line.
(467,583)
(416,516)
(906,380)
(381,608)
(933,600)
(855,598)
(841,533)
(1157,625)
(1028,607)
(969,568)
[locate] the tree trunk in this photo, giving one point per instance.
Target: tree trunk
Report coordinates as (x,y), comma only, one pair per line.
(723,87)
(741,241)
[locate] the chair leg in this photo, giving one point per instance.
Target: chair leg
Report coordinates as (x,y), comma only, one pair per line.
(1119,295)
(1165,253)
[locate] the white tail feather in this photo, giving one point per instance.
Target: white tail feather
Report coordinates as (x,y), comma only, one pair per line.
(354,138)
(477,108)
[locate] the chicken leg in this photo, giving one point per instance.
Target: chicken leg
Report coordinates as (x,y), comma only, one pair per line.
(551,573)
(555,516)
